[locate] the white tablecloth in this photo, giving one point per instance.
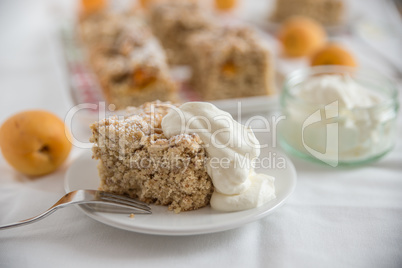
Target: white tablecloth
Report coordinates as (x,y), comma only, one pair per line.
(335,218)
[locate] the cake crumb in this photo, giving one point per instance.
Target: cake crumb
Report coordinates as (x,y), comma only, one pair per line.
(132,216)
(177,210)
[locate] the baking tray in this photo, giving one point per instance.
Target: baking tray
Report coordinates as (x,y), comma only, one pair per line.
(85,88)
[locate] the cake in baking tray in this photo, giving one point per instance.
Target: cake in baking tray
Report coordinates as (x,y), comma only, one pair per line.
(132,67)
(327,12)
(174,21)
(137,160)
(127,59)
(231,62)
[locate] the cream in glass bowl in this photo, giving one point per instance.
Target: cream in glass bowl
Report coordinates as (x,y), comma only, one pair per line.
(338,115)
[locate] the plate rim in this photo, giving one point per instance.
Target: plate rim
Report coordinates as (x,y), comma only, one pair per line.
(191,231)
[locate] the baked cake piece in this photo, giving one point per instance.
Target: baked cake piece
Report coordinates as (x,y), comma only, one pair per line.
(137,160)
(231,62)
(327,12)
(173,22)
(97,27)
(128,60)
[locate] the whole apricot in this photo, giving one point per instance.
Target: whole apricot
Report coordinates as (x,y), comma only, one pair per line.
(92,6)
(34,142)
(301,36)
(333,54)
(225,4)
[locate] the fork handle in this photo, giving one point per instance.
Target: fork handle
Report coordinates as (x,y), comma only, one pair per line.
(30,220)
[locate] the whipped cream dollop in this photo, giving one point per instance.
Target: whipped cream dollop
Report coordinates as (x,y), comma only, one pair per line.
(260,191)
(231,148)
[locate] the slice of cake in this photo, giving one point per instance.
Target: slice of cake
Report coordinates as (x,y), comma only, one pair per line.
(173,22)
(231,62)
(136,159)
(327,12)
(128,60)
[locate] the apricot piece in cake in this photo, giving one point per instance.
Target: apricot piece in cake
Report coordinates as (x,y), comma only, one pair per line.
(229,69)
(142,78)
(333,54)
(301,36)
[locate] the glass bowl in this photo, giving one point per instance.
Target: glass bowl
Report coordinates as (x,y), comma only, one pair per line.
(338,115)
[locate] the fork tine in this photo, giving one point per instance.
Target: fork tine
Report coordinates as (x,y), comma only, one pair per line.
(122,200)
(108,207)
(125,205)
(137,209)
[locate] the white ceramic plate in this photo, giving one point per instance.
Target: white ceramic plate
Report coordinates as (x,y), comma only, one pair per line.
(83,174)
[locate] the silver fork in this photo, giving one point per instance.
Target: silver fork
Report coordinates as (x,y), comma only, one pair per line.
(88,197)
